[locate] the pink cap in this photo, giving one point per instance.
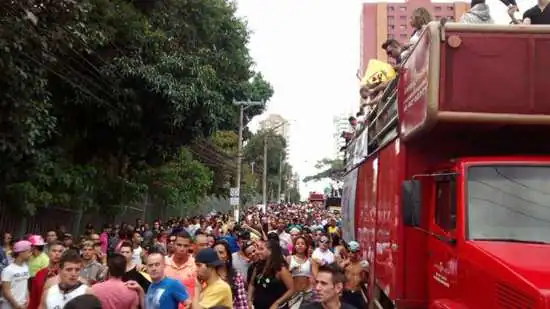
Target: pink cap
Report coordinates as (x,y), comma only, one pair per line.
(21,246)
(37,240)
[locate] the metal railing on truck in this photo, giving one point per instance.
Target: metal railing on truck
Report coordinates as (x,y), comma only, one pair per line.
(382,120)
(381,128)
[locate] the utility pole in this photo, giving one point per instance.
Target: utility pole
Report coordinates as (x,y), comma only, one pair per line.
(264,176)
(279,189)
(243,105)
(264,180)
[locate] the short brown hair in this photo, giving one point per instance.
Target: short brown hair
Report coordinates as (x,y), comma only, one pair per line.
(69,256)
(338,275)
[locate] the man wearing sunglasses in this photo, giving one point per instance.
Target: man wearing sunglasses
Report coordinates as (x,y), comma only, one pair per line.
(322,255)
(394,50)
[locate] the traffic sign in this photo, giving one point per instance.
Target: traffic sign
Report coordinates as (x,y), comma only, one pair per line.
(234,192)
(234,201)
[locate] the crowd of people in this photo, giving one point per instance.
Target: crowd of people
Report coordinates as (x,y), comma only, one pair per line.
(290,256)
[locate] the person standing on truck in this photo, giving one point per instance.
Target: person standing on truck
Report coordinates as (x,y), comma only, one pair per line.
(477,14)
(329,284)
(394,50)
(420,17)
(537,15)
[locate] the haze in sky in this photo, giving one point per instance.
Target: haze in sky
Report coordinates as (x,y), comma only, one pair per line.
(309,51)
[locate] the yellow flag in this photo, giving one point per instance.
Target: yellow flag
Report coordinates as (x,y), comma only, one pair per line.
(377,72)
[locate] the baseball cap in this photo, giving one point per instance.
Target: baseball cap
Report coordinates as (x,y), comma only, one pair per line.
(209,257)
(22,245)
(353,246)
(36,240)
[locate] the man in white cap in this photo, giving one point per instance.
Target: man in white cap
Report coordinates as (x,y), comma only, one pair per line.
(355,271)
(15,278)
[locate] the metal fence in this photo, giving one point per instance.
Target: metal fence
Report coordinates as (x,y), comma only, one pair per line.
(52,217)
(47,218)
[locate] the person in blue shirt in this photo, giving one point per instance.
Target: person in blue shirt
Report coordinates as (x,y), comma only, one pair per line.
(230,239)
(164,292)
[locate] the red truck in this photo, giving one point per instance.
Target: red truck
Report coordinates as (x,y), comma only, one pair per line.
(451,204)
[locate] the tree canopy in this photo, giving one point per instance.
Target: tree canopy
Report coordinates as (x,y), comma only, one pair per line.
(101,99)
(330,168)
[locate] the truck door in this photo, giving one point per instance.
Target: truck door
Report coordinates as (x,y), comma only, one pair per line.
(442,242)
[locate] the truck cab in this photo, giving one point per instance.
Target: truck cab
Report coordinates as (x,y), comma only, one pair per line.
(450,193)
(490,217)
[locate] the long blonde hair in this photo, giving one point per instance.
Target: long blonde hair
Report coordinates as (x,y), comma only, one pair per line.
(420,17)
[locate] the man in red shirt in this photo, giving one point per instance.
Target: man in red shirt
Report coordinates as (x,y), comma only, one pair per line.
(55,250)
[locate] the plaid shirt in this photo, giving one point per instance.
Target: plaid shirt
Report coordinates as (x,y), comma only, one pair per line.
(240,299)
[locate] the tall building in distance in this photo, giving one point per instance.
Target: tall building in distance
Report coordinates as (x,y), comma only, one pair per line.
(281,125)
(383,20)
(340,124)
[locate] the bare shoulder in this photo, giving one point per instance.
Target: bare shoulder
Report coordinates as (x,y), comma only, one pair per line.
(51,282)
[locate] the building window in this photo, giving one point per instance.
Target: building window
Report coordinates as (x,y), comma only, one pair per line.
(403,27)
(403,8)
(403,35)
(390,18)
(391,27)
(390,36)
(450,8)
(403,17)
(437,8)
(437,17)
(391,8)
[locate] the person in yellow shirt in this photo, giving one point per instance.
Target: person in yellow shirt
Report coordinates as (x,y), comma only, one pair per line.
(39,259)
(210,290)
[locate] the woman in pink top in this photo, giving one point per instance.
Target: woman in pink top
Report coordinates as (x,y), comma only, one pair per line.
(104,238)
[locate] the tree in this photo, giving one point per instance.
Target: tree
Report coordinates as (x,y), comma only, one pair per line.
(180,184)
(254,155)
(330,168)
(98,93)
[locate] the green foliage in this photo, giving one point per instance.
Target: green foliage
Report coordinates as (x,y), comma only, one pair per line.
(278,170)
(180,183)
(99,97)
(294,194)
(331,168)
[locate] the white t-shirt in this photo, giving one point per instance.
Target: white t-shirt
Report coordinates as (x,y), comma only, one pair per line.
(18,277)
(327,257)
(136,256)
(55,299)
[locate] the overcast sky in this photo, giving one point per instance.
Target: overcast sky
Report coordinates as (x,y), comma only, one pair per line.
(309,51)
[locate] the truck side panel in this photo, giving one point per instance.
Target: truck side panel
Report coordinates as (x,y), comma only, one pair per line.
(366,212)
(495,72)
(461,75)
(389,269)
(348,205)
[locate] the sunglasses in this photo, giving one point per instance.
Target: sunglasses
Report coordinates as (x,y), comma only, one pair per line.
(323,241)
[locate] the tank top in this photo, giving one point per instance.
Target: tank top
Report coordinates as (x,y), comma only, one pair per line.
(57,299)
(266,291)
(300,270)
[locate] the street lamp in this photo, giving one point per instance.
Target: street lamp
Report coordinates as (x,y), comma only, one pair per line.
(243,106)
